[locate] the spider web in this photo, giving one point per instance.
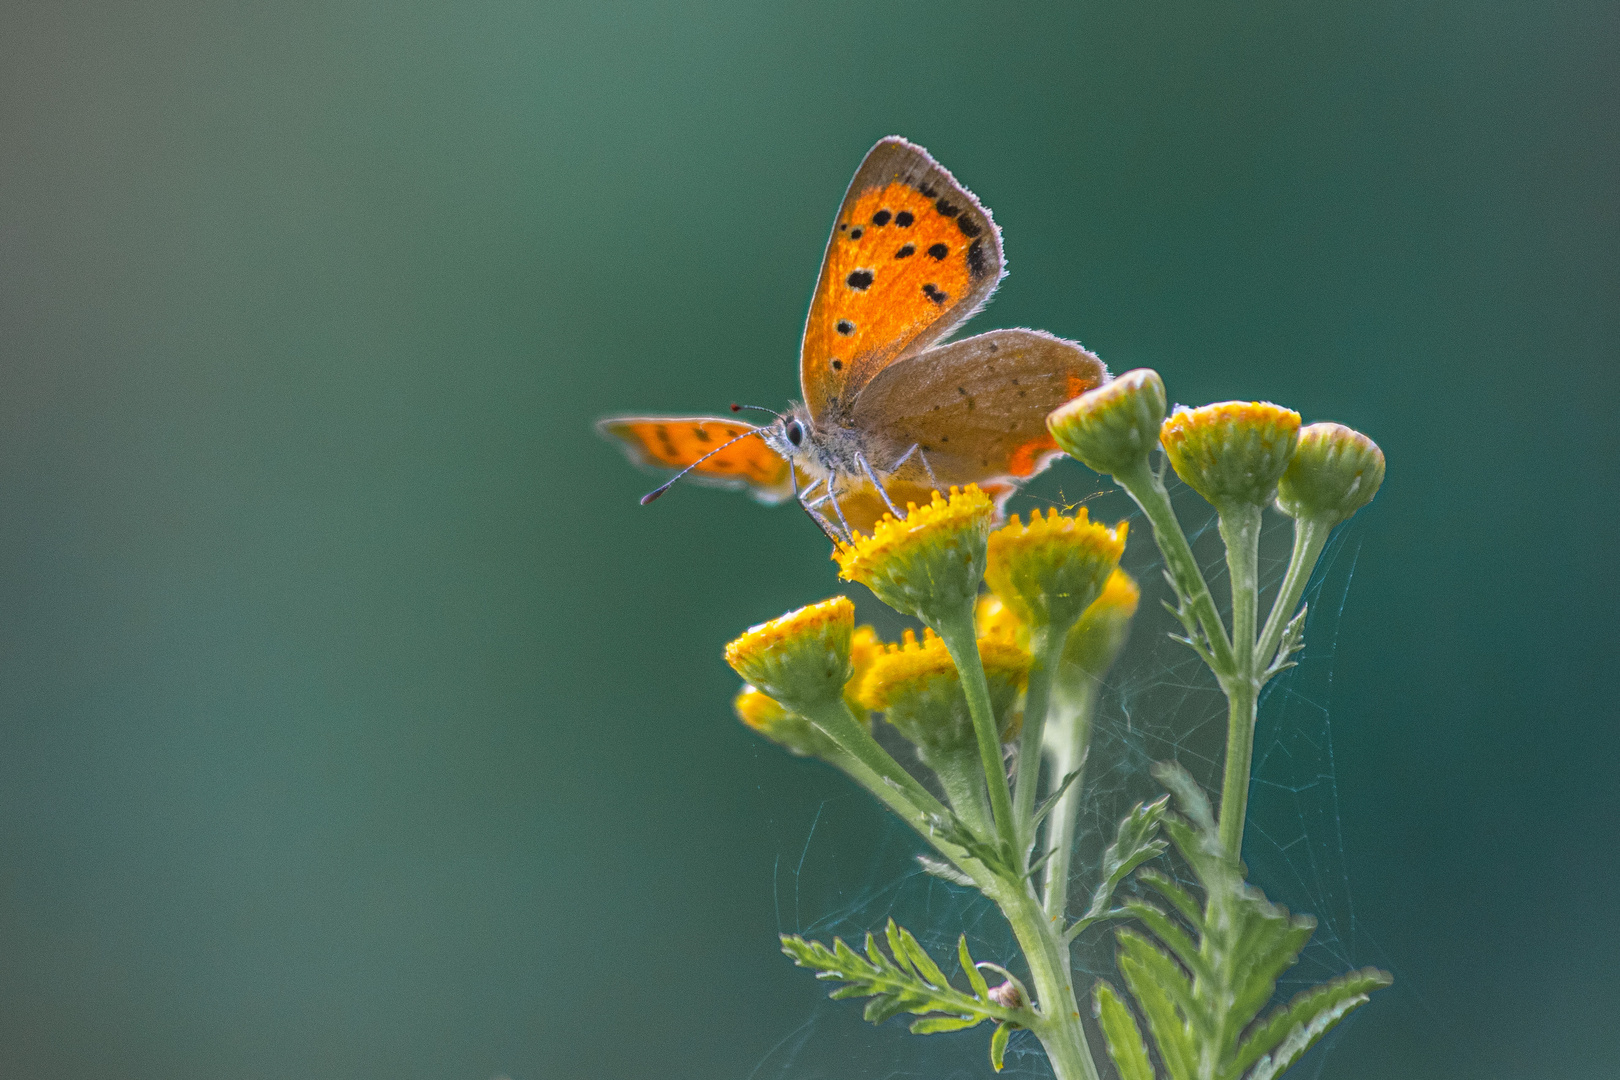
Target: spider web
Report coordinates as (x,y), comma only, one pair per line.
(844,866)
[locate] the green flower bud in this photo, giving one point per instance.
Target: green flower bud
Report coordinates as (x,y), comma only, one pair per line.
(802,659)
(1114,427)
(1335,472)
(1233,452)
(929,563)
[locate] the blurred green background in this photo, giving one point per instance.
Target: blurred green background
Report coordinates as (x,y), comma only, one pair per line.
(356,722)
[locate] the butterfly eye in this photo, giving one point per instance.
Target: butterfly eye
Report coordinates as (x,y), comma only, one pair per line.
(795,433)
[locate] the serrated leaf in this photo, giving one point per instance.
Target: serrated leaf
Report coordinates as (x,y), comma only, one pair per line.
(1179,898)
(945,871)
(1302,1038)
(998,1045)
(1123,1037)
(1177,940)
(1305,1007)
(1051,800)
(935,1025)
(909,981)
(883,1006)
(1194,803)
(1135,842)
(920,960)
(981,989)
(892,933)
(1162,991)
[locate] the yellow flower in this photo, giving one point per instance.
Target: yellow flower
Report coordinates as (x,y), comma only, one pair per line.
(929,563)
(917,687)
(801,659)
(1113,428)
(1335,472)
(864,647)
(1233,452)
(1099,635)
(996,620)
(793,732)
(1050,570)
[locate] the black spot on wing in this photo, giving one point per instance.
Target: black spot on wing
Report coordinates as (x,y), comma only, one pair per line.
(881,217)
(845,327)
(928,190)
(904,219)
(855,234)
(859,279)
(978,265)
(838,365)
(939,251)
(702,436)
(933,293)
(906,252)
(969,227)
(947,209)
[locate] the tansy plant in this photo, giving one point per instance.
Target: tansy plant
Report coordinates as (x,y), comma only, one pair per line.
(1013,675)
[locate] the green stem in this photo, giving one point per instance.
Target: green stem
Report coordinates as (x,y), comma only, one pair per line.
(1310,537)
(1149,492)
(1240,529)
(1060,1029)
(960,641)
(962,777)
(1069,735)
(880,772)
(860,756)
(1046,650)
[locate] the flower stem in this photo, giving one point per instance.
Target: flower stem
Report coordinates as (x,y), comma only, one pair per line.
(1046,650)
(1310,537)
(1068,738)
(1061,1031)
(1149,492)
(1240,529)
(961,642)
(887,777)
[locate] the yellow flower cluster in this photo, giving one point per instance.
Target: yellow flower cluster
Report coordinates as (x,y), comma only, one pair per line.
(916,686)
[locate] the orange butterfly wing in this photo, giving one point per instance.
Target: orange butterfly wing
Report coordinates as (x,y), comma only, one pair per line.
(674,442)
(977,407)
(912,255)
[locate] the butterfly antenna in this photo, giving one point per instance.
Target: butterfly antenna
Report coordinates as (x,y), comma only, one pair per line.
(666,485)
(739,408)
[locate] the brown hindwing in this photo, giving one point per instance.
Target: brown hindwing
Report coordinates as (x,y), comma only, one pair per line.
(977,408)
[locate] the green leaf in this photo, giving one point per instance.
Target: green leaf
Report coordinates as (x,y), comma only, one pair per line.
(1164,995)
(1194,803)
(1292,641)
(920,960)
(1302,1014)
(934,1025)
(981,989)
(906,979)
(1051,800)
(1124,1038)
(998,1045)
(1179,942)
(953,830)
(883,1006)
(1135,842)
(1179,898)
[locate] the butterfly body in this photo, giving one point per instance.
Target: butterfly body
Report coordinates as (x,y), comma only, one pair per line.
(888,414)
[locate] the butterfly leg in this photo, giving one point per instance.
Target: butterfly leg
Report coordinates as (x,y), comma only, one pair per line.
(849,534)
(916,448)
(810,508)
(872,476)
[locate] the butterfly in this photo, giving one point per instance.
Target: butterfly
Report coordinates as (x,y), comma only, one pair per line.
(889,415)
